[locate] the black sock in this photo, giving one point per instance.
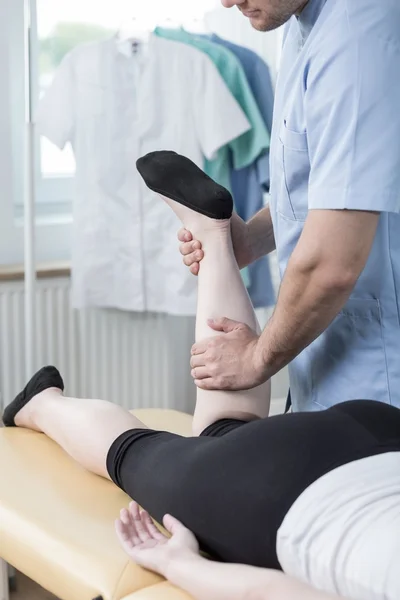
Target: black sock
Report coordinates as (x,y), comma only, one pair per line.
(46,378)
(179,179)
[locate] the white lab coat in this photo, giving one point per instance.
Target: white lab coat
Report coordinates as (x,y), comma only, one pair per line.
(114,107)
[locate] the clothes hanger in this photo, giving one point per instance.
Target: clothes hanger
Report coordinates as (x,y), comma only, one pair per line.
(195,25)
(133,35)
(169,23)
(134,29)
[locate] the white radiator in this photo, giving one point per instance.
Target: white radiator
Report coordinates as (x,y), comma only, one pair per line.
(136,360)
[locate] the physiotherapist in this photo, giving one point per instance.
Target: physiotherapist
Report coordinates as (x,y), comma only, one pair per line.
(333,215)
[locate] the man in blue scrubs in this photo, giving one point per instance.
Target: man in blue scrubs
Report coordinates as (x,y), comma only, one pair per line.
(333,215)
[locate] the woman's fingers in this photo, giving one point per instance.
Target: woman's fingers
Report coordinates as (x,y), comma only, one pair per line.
(125,517)
(129,525)
(154,533)
(141,529)
(126,539)
(173,525)
(121,530)
(135,527)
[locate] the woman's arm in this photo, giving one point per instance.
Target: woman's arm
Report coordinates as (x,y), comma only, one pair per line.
(178,560)
(207,580)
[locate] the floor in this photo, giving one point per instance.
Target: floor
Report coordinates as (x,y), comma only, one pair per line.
(28,590)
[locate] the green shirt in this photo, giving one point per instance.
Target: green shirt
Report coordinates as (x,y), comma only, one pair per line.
(244,150)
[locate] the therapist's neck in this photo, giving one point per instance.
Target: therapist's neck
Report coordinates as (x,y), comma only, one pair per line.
(298,13)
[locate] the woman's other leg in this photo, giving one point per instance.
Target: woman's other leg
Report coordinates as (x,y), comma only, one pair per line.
(85,429)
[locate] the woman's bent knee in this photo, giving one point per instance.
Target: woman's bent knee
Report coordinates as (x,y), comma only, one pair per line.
(224,426)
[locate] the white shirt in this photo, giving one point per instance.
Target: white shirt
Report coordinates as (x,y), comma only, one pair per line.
(114,107)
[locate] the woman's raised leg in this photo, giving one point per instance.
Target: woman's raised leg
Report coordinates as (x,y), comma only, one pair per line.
(221,292)
(85,429)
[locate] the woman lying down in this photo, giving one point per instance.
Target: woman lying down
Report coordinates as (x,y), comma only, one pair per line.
(302,506)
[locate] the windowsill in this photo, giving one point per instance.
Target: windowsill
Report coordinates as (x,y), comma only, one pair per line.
(49,270)
(46,221)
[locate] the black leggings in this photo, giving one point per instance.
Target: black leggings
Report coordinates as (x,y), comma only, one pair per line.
(233,485)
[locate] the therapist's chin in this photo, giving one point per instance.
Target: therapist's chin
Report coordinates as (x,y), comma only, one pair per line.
(261,23)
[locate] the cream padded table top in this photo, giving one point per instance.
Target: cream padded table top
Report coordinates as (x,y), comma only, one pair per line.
(57,520)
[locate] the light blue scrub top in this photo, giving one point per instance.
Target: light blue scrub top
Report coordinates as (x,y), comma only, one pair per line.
(336,145)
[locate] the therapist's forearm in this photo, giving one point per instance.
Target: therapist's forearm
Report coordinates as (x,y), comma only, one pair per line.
(306,305)
(261,233)
(320,276)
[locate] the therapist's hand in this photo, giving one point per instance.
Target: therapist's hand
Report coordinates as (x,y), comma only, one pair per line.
(232,361)
(193,254)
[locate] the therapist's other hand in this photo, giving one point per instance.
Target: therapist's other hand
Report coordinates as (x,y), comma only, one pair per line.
(147,546)
(193,254)
(232,361)
(191,251)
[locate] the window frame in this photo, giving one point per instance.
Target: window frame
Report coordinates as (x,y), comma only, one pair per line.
(54,193)
(53,229)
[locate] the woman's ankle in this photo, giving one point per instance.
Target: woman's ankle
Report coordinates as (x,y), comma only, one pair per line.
(27,417)
(207,230)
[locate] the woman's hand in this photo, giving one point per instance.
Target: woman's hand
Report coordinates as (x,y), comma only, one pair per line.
(147,546)
(177,559)
(193,254)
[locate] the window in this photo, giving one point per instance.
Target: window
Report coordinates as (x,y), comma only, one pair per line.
(58,26)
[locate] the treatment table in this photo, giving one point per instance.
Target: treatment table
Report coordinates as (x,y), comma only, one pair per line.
(57,520)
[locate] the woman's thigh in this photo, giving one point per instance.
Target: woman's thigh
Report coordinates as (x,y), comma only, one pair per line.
(343,534)
(233,485)
(216,484)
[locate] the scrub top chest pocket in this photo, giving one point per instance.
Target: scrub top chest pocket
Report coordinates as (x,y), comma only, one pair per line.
(294,169)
